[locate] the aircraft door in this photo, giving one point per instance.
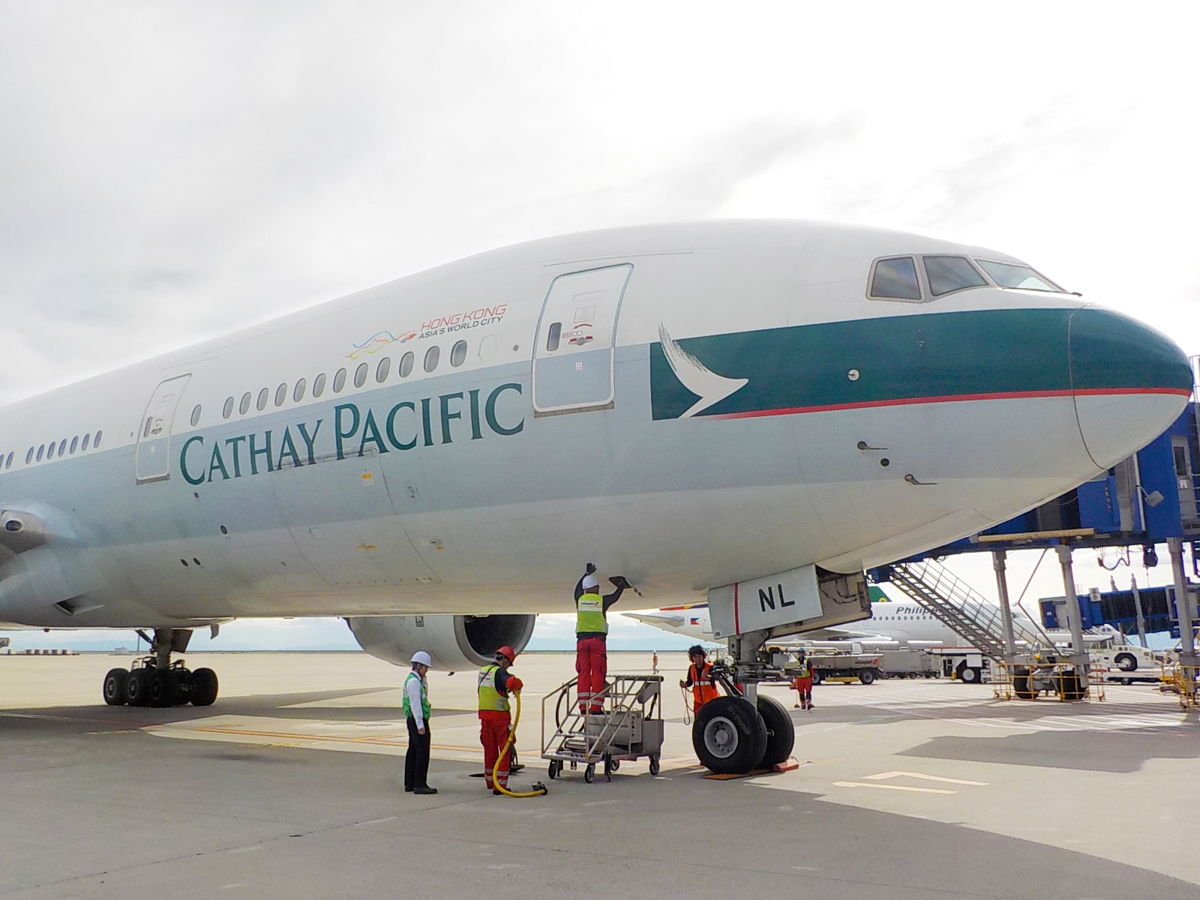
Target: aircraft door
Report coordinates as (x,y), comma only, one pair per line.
(575,341)
(154,431)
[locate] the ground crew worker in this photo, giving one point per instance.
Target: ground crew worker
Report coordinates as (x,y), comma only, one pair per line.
(591,630)
(803,681)
(416,714)
(700,678)
(654,663)
(495,684)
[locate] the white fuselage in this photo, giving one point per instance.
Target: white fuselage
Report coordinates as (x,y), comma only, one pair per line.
(687,405)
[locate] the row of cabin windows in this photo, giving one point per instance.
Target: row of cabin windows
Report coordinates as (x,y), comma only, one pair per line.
(896,278)
(59,448)
(298,391)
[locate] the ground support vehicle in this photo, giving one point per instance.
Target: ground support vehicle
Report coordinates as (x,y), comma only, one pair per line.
(1029,677)
(967,666)
(628,727)
(845,667)
(910,664)
(1127,663)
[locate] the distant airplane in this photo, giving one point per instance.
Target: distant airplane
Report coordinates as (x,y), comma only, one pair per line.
(691,406)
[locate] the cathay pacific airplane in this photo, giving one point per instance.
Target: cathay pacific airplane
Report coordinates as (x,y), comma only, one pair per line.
(691,406)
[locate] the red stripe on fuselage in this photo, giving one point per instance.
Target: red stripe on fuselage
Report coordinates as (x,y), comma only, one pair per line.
(952,398)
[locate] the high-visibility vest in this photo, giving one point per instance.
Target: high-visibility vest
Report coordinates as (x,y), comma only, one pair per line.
(424,696)
(489,697)
(589,614)
(805,669)
(702,692)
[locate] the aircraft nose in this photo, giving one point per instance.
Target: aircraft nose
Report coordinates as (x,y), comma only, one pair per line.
(1129,382)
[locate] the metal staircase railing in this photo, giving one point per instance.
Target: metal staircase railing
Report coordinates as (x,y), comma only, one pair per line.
(961,608)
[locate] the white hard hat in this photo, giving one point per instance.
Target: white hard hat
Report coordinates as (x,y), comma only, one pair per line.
(422,657)
(589,581)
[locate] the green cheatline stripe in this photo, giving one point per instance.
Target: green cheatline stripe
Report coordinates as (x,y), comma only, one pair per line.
(923,358)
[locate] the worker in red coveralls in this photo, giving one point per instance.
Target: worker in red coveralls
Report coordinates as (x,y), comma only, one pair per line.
(495,685)
(591,630)
(803,681)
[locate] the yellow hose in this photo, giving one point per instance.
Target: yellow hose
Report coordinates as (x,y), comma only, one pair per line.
(538,789)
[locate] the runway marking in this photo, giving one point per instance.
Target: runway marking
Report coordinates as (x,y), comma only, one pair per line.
(886,775)
(892,787)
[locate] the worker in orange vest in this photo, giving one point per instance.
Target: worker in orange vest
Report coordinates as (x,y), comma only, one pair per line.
(700,678)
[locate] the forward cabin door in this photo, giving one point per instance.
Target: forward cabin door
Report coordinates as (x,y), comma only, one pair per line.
(575,341)
(154,431)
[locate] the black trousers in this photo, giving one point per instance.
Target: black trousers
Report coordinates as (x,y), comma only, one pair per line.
(416,760)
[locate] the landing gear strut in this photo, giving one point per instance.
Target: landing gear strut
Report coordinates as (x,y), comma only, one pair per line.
(743,730)
(155,681)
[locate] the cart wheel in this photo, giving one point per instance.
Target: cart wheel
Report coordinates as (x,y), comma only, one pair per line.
(616,764)
(552,770)
(589,774)
(654,767)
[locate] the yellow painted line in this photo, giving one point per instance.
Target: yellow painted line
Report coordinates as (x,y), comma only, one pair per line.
(892,787)
(882,776)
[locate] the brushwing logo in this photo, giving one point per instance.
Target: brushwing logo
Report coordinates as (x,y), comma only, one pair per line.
(698,378)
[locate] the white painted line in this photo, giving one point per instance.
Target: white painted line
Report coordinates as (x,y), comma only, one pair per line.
(892,787)
(882,776)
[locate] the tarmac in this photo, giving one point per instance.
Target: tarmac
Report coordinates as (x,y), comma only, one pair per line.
(290,786)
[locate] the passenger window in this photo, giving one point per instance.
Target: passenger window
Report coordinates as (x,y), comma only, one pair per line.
(406,364)
(298,393)
(383,369)
(146,428)
(62,447)
(458,353)
(895,279)
(87,439)
(263,396)
(96,442)
(360,375)
(228,410)
(339,381)
(431,358)
(553,335)
(41,452)
(280,395)
(951,273)
(29,456)
(74,444)
(196,414)
(318,385)
(245,404)
(50,451)
(8,465)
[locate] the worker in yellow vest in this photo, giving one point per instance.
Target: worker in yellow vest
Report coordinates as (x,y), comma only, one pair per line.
(495,685)
(416,715)
(591,633)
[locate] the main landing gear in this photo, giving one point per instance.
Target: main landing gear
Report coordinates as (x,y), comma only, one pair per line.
(743,731)
(155,681)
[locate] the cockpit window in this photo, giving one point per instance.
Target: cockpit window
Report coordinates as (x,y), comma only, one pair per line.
(951,273)
(1015,275)
(895,279)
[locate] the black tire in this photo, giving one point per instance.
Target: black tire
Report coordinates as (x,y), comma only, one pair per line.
(137,689)
(1023,687)
(781,733)
(729,736)
(115,687)
(817,678)
(969,674)
(655,765)
(1126,662)
(204,687)
(614,764)
(1069,686)
(866,676)
(589,774)
(164,688)
(552,769)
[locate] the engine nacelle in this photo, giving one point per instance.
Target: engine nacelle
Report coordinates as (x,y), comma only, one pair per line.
(455,642)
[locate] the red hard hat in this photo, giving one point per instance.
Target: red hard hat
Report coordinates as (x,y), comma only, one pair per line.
(507,652)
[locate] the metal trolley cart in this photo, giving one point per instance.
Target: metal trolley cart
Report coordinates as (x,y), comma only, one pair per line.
(629,727)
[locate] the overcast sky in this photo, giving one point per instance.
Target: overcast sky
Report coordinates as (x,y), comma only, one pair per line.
(171,171)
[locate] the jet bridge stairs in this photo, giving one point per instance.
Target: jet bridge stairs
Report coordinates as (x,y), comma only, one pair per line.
(1034,666)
